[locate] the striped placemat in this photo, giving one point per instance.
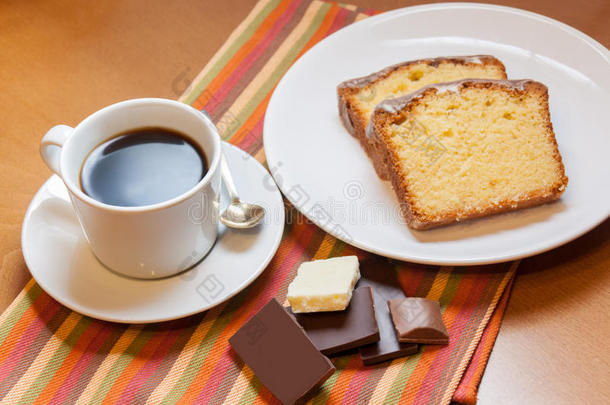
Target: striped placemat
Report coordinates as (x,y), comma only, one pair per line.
(50,354)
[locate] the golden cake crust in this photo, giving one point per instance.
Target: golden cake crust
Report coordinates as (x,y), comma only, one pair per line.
(355,120)
(391,110)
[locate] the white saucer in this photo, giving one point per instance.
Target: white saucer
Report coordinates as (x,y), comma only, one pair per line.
(326,175)
(60,260)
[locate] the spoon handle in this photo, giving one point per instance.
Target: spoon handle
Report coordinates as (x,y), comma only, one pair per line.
(227,178)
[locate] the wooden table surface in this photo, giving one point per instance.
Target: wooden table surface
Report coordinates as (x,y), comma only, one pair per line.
(62,60)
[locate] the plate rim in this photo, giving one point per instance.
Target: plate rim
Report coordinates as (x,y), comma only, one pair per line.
(483,6)
(480,260)
(92,314)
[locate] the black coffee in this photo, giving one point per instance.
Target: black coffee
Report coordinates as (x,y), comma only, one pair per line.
(141,167)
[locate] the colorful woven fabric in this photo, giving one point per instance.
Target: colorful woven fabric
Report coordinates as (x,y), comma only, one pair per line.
(50,354)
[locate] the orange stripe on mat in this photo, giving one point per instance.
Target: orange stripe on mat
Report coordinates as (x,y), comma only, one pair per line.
(28,317)
(138,361)
(425,362)
(243,52)
(68,363)
(219,347)
(322,30)
(246,129)
(345,377)
(259,112)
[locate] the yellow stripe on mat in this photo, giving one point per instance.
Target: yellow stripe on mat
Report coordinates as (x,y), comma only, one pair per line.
(186,355)
(267,71)
(42,359)
(116,352)
(465,360)
(439,284)
(225,46)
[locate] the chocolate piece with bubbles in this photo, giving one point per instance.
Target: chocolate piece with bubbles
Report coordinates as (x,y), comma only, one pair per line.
(418,320)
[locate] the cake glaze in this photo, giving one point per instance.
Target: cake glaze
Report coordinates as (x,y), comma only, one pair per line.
(354,94)
(395,105)
(360,82)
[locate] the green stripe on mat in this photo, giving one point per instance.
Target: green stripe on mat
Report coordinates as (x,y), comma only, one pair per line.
(409,366)
(123,361)
(204,348)
(329,384)
(251,392)
(491,287)
(280,69)
(337,249)
(231,51)
(402,377)
(17,312)
(55,361)
(450,289)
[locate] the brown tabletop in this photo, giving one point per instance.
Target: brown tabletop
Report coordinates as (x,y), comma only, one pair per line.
(60,61)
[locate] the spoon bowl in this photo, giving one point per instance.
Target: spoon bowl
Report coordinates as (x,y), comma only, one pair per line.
(242,215)
(238,214)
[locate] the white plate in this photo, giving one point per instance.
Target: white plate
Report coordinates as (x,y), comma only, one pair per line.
(323,171)
(60,260)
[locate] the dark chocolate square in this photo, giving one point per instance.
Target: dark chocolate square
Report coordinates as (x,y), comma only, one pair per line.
(337,331)
(281,355)
(380,275)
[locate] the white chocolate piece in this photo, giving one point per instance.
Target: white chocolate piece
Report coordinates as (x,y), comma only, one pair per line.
(324,285)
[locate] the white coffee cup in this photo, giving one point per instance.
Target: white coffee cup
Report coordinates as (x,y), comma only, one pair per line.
(150,241)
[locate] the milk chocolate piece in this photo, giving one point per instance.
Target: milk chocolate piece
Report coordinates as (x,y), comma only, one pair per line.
(379,274)
(418,320)
(338,331)
(281,355)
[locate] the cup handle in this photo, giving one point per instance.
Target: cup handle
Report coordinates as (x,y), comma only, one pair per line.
(51,145)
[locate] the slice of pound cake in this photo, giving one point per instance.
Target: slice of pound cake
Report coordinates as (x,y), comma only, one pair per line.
(358,97)
(469,148)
